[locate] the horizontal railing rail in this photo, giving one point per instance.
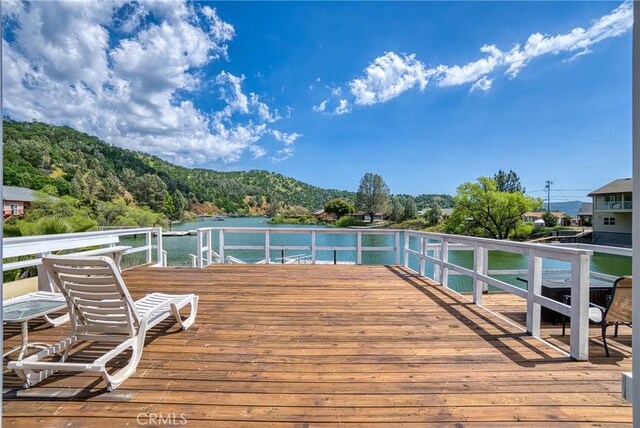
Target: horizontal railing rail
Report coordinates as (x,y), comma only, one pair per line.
(31,249)
(435,247)
(619,205)
(204,242)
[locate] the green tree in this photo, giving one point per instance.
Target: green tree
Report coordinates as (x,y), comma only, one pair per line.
(180,203)
(150,190)
(481,210)
(550,220)
(397,210)
(508,182)
(373,194)
(433,215)
(410,211)
(340,207)
(168,207)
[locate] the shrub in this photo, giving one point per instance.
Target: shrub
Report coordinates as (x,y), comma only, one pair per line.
(349,221)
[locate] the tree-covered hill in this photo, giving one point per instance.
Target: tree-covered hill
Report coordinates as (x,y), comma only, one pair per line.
(41,156)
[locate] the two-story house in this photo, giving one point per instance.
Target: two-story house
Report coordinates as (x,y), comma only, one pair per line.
(611,219)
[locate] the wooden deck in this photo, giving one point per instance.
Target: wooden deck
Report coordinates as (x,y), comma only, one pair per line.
(322,345)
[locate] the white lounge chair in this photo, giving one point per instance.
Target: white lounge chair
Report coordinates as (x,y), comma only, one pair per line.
(101,310)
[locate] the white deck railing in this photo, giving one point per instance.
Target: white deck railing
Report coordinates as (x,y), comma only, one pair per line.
(205,254)
(434,248)
(33,248)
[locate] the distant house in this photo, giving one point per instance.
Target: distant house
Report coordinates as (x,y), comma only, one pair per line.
(322,215)
(16,200)
(611,219)
(533,216)
(446,212)
(585,214)
(365,217)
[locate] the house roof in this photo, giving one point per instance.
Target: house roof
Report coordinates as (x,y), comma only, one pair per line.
(13,193)
(586,208)
(621,185)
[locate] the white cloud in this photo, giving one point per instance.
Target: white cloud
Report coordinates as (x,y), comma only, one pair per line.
(263,110)
(391,74)
(257,151)
(231,92)
(320,107)
(483,84)
(282,155)
(287,139)
(336,91)
(387,77)
(618,22)
(457,75)
(128,80)
(343,107)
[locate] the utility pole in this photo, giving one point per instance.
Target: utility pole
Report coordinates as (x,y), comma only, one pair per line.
(548,187)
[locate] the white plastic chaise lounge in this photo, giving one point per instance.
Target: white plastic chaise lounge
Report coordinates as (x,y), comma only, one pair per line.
(101,310)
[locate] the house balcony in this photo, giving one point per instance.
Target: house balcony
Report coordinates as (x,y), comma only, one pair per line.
(614,206)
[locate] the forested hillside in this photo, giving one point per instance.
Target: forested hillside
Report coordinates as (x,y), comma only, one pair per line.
(44,157)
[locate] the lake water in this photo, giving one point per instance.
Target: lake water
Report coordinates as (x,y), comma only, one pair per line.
(179,247)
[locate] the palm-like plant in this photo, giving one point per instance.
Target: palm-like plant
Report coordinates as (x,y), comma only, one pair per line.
(44,226)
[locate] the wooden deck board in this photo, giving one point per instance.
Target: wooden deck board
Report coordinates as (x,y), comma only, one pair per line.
(358,345)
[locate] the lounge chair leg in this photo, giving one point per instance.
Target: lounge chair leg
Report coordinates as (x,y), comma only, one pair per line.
(55,322)
(564,324)
(188,322)
(604,339)
(32,377)
(115,380)
(615,331)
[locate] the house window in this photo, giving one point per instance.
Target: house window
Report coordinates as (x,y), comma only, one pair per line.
(609,221)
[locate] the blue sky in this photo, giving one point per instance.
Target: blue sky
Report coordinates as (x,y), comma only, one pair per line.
(427,94)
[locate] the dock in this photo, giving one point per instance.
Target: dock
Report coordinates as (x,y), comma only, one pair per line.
(179,232)
(291,345)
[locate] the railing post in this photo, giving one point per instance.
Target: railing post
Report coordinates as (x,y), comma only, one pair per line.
(579,340)
(437,273)
(534,287)
(159,254)
(423,250)
(485,268)
(198,260)
(44,283)
(397,249)
(358,248)
(478,268)
(405,253)
(313,247)
(147,239)
(221,245)
(209,248)
(444,259)
(267,247)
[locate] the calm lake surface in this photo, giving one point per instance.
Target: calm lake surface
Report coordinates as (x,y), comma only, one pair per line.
(179,247)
